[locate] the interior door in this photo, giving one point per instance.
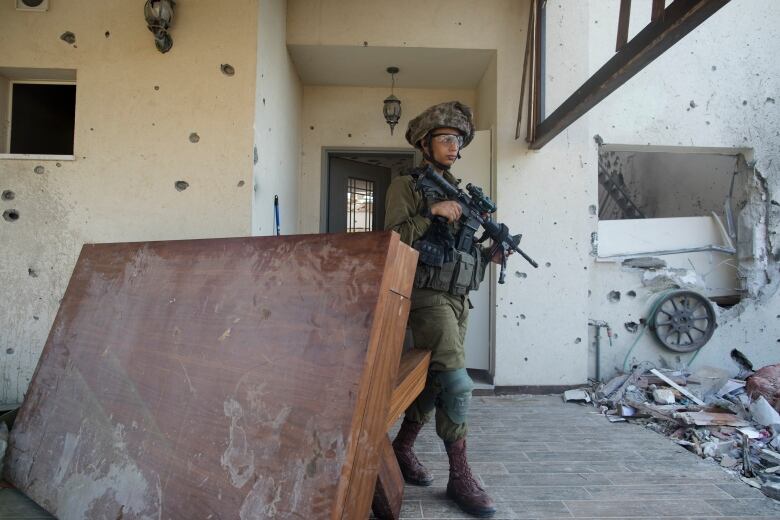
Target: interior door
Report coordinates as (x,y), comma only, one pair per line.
(474,167)
(356,195)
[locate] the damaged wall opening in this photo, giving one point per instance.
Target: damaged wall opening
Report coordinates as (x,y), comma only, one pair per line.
(676,206)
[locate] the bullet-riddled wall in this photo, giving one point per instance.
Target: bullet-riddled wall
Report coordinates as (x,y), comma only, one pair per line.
(144,121)
(541,195)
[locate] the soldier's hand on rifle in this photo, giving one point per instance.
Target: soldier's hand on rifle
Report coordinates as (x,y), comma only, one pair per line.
(497,256)
(448,209)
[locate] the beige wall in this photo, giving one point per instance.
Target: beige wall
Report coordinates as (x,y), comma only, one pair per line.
(277,126)
(352,117)
(131,145)
(529,185)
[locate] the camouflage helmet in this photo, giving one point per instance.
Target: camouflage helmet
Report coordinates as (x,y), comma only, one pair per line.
(452,114)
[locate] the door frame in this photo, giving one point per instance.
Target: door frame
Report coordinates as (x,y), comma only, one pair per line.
(336,151)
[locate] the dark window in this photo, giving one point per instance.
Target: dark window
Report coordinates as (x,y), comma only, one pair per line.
(42,118)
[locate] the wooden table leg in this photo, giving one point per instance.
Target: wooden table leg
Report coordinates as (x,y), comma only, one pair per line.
(389,490)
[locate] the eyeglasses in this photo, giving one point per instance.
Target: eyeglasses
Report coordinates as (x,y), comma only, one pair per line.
(449,139)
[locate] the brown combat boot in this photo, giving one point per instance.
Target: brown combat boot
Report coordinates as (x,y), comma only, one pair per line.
(411,468)
(463,487)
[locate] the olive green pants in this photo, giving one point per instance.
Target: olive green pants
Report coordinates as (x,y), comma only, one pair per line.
(438,321)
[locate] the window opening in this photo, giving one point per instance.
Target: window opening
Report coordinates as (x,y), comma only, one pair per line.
(360,205)
(42,118)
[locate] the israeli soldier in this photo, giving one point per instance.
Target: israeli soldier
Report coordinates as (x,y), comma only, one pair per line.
(439,303)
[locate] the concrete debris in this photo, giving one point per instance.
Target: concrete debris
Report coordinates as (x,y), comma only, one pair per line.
(710,415)
(576,395)
(763,413)
(659,279)
(663,396)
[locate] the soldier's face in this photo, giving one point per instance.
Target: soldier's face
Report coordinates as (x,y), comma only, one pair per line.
(445,145)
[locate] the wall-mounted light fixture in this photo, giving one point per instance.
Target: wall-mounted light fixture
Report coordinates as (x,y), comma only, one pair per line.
(392,105)
(159,15)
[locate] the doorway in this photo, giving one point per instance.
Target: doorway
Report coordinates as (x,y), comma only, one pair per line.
(356,185)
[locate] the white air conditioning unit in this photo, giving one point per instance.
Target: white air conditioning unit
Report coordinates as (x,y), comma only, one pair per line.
(32,5)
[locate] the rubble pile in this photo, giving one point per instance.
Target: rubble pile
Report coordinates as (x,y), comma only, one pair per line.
(732,421)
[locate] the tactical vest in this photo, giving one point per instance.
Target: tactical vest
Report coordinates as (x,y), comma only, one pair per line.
(442,266)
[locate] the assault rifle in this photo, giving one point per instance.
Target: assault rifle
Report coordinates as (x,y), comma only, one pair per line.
(476,208)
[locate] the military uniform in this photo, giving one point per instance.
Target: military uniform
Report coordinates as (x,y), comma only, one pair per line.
(437,317)
(439,308)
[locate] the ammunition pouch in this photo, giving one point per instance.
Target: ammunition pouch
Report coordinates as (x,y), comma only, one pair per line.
(458,276)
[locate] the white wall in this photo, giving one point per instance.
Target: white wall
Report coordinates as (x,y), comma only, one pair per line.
(727,68)
(131,145)
(277,126)
(352,117)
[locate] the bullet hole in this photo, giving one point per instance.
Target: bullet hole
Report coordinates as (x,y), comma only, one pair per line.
(525,359)
(40,170)
(263,101)
(744,102)
(255,158)
(91,129)
(614,296)
(11,215)
(592,209)
(57,165)
(68,37)
(349,135)
(693,104)
(631,326)
(8,195)
(36,318)
(577,340)
(520,275)
(311,128)
(631,294)
(240,184)
(547,264)
(228,70)
(365,44)
(614,335)
(708,123)
(32,273)
(181,185)
(589,292)
(714,67)
(157,87)
(770,100)
(9,351)
(194,137)
(522,316)
(107,34)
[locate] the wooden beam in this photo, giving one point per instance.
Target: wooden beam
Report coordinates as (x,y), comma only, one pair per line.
(658,10)
(680,18)
(623,19)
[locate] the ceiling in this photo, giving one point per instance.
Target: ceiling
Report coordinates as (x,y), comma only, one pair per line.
(420,67)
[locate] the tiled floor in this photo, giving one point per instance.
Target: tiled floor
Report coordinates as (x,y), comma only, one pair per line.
(542,458)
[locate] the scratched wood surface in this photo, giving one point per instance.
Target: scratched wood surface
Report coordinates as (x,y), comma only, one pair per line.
(226,378)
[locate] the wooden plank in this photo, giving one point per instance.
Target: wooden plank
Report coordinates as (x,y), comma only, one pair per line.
(710,419)
(680,18)
(232,378)
(412,374)
(389,492)
(658,10)
(677,387)
(623,21)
